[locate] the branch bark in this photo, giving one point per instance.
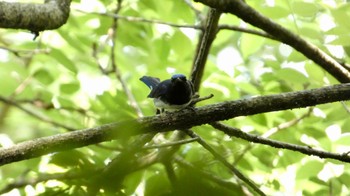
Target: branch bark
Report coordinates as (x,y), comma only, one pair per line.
(251,16)
(34,17)
(183,119)
(234,132)
(206,39)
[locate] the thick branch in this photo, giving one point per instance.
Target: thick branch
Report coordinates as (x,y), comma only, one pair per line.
(34,17)
(249,15)
(183,119)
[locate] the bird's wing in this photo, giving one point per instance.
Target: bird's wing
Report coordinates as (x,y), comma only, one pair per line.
(151,82)
(160,90)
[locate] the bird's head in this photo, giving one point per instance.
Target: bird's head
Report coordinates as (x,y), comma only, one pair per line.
(178,77)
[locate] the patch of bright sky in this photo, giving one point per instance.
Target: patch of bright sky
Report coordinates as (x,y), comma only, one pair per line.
(270,3)
(190,33)
(54,39)
(330,170)
(310,141)
(4,55)
(333,132)
(298,66)
(94,85)
(5,141)
(90,6)
(227,59)
(319,113)
(287,179)
(326,23)
(163,29)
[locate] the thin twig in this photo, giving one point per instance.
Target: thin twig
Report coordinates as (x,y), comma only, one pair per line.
(17,52)
(273,131)
(117,72)
(174,143)
(197,27)
(234,132)
(170,172)
(199,99)
(218,180)
(224,162)
(21,182)
(35,115)
(245,30)
(198,13)
(345,107)
(139,19)
(287,124)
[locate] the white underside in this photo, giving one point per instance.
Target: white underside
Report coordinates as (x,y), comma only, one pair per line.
(160,104)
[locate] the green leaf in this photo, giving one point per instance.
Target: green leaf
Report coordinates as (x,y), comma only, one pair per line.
(343,40)
(70,88)
(309,169)
(305,9)
(181,44)
(344,139)
(65,103)
(250,44)
(72,158)
(275,12)
(341,15)
(292,75)
(43,76)
(63,59)
(316,74)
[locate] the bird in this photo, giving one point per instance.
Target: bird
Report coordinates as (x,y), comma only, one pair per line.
(172,94)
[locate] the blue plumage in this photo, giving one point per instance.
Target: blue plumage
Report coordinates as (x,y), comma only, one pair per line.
(174,93)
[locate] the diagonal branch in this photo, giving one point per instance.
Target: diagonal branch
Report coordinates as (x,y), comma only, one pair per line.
(34,114)
(183,119)
(251,16)
(233,169)
(277,144)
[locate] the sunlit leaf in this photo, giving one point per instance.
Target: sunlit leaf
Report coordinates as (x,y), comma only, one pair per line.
(305,9)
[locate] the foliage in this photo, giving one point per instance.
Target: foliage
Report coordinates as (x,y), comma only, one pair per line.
(66,76)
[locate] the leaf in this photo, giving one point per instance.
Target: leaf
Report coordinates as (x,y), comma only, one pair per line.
(341,15)
(70,88)
(72,158)
(63,59)
(43,76)
(344,139)
(309,169)
(275,12)
(181,44)
(292,75)
(343,40)
(250,44)
(305,9)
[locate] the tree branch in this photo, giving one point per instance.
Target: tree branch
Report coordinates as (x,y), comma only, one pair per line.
(233,169)
(203,47)
(183,119)
(218,180)
(251,16)
(277,144)
(34,114)
(34,17)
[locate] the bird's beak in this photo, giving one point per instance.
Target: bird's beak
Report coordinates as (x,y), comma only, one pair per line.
(178,79)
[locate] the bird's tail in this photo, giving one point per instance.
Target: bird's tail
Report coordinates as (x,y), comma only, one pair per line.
(151,82)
